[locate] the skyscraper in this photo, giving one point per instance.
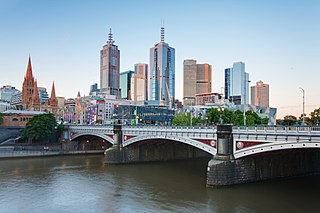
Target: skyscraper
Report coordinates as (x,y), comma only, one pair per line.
(237,84)
(110,68)
(196,80)
(260,94)
(125,84)
(161,77)
(139,83)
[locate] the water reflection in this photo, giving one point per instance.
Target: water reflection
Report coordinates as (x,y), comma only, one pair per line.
(87,184)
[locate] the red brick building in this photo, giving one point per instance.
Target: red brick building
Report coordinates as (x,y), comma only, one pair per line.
(18,117)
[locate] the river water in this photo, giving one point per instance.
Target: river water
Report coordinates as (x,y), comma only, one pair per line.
(87,184)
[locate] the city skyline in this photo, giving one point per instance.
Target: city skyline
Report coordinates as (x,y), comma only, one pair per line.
(277,42)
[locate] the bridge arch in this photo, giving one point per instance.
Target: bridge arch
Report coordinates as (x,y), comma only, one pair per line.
(194,143)
(268,147)
(105,137)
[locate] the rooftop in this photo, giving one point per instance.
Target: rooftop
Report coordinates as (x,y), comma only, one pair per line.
(23,112)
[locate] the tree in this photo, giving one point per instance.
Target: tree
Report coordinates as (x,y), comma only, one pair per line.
(40,127)
(289,120)
(315,116)
(237,118)
(181,119)
(1,118)
(213,115)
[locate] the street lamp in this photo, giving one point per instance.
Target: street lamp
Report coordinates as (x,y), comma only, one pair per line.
(220,112)
(206,118)
(303,104)
(190,116)
(244,115)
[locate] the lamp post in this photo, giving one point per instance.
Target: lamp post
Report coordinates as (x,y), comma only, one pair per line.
(206,119)
(220,112)
(190,116)
(244,115)
(303,104)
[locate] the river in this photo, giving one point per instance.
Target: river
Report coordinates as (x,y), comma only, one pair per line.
(87,184)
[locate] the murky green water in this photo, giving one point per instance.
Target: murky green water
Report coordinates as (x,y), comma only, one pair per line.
(86,184)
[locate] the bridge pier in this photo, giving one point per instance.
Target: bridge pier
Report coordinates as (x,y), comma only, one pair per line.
(224,170)
(114,155)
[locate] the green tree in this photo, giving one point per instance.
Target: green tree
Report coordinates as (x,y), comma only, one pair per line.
(315,116)
(40,127)
(213,115)
(1,118)
(237,118)
(181,119)
(197,121)
(227,116)
(289,120)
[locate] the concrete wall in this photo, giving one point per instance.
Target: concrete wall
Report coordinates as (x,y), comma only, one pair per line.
(281,164)
(8,134)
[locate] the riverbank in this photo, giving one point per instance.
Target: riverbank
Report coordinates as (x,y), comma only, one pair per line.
(28,154)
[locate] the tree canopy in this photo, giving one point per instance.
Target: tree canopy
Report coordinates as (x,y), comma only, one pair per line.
(1,118)
(215,116)
(40,127)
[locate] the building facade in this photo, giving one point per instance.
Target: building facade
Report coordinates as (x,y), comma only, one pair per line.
(260,94)
(18,117)
(197,79)
(237,84)
(110,68)
(125,84)
(6,92)
(161,76)
(138,87)
(139,84)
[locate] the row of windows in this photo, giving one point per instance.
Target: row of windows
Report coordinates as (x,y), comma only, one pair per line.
(21,119)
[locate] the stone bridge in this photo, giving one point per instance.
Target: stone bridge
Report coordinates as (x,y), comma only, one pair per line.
(246,140)
(238,154)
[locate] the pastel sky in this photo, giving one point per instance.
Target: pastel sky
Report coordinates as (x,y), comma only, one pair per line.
(279,41)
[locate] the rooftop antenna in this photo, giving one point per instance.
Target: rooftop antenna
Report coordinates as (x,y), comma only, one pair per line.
(162,31)
(110,41)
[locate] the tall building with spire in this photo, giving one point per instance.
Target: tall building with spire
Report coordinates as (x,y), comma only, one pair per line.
(35,101)
(27,87)
(53,101)
(110,68)
(31,99)
(161,77)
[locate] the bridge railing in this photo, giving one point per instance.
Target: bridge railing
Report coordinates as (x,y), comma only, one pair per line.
(275,129)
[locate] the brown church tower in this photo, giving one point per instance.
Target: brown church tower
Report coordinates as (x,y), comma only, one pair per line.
(53,101)
(35,103)
(27,87)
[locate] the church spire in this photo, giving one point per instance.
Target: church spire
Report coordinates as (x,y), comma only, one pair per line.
(29,69)
(35,103)
(53,101)
(28,86)
(53,91)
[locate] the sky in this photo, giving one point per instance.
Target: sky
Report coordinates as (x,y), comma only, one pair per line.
(277,40)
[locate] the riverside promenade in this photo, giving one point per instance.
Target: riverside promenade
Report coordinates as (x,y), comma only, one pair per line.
(41,151)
